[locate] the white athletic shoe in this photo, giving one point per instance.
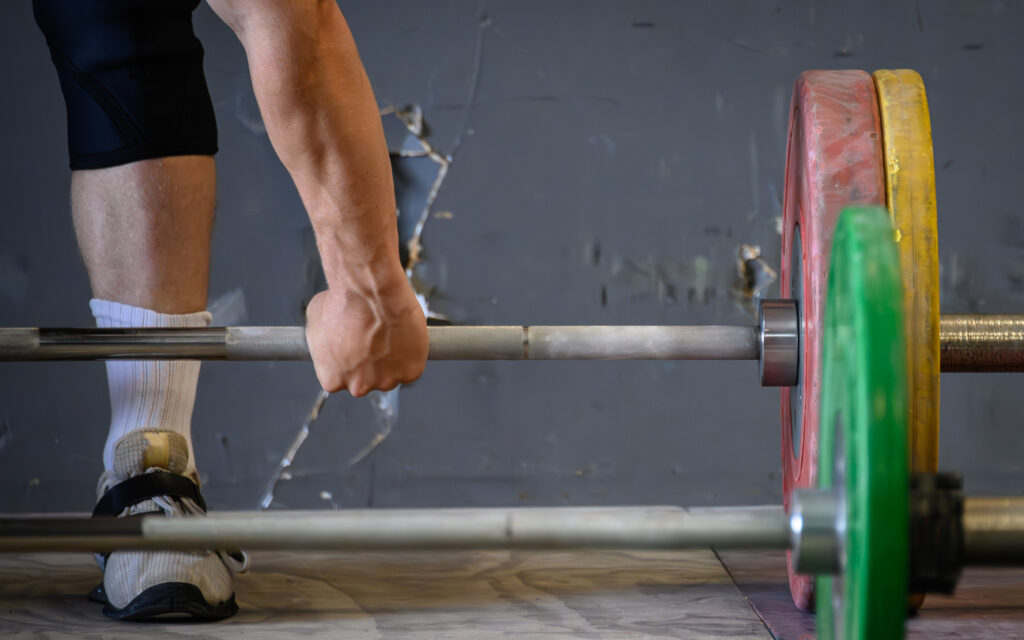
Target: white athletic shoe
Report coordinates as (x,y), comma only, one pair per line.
(138,585)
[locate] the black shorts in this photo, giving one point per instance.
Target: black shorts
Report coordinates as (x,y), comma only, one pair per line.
(132,76)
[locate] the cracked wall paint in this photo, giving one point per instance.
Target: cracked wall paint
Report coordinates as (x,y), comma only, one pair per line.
(385,413)
(281,470)
(417,145)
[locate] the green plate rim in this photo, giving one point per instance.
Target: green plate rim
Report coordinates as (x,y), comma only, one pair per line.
(864,390)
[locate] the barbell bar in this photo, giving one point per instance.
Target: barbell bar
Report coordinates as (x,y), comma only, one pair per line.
(446,343)
(968,342)
(412,529)
(993,529)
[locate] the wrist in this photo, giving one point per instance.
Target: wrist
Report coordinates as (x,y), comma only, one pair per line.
(383,276)
(361,258)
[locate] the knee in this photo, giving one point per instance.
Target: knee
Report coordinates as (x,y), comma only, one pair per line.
(131,72)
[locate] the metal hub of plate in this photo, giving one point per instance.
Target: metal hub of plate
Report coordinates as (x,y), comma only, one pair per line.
(816,527)
(778,333)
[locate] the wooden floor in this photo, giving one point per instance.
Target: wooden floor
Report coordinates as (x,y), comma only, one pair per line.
(497,594)
(988,603)
(375,595)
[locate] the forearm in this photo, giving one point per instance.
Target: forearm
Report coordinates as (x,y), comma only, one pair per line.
(323,122)
(367,331)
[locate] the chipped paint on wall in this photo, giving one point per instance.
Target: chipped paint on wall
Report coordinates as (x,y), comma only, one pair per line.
(417,145)
(753,276)
(665,281)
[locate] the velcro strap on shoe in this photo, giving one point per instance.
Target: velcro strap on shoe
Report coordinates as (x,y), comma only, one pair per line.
(146,487)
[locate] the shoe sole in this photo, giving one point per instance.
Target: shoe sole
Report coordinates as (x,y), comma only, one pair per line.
(165,601)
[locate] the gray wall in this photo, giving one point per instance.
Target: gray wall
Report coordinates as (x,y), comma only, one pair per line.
(614,156)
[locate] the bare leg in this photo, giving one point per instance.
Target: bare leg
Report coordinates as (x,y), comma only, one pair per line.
(144,231)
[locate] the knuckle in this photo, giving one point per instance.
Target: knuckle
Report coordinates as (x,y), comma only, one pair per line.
(332,385)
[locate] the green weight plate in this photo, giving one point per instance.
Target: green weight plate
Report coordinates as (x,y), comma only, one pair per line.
(863,431)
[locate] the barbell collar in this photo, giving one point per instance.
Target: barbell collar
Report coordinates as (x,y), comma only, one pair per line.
(817,528)
(778,325)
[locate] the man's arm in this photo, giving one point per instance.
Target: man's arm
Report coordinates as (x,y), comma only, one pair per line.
(367,330)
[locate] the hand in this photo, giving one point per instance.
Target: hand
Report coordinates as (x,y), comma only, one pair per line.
(364,338)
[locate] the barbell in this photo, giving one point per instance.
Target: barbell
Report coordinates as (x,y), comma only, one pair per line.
(871,531)
(968,342)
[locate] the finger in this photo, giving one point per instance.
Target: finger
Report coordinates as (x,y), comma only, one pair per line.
(410,373)
(357,385)
(329,377)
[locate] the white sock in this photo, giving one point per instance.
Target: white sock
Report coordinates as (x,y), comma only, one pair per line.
(148,394)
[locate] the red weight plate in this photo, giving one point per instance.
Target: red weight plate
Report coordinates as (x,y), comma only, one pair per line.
(834,159)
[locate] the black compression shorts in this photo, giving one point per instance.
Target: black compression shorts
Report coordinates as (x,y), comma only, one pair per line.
(132,76)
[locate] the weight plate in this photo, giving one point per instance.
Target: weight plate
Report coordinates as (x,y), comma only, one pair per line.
(910,197)
(833,159)
(863,442)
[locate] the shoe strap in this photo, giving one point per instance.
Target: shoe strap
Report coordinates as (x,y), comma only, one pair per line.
(145,487)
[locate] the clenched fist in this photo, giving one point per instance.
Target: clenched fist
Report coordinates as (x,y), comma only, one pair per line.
(364,338)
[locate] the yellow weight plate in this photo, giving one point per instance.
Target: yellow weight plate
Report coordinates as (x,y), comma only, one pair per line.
(910,198)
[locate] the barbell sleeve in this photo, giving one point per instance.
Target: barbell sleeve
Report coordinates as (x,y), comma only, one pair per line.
(994,530)
(982,342)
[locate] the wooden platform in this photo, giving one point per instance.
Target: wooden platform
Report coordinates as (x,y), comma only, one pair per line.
(376,595)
